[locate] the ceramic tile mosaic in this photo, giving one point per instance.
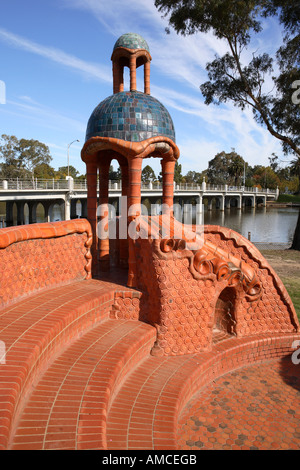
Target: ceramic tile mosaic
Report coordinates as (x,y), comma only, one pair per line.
(131,41)
(131,116)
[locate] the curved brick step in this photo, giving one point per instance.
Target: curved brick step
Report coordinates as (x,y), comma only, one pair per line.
(68,407)
(35,330)
(146,411)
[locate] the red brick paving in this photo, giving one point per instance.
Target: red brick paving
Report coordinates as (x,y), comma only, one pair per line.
(256,407)
(99,387)
(68,407)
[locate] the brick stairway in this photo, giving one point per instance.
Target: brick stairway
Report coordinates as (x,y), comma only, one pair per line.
(68,407)
(41,334)
(77,377)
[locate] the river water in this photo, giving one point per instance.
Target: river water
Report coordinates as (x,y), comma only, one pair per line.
(265,224)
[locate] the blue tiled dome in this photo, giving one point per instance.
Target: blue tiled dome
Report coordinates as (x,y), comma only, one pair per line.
(131,41)
(132,116)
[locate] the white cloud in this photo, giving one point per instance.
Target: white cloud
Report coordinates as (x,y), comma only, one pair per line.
(90,70)
(181,60)
(43,115)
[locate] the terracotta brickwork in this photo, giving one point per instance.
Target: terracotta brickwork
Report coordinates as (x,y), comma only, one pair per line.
(40,256)
(98,364)
(195,297)
(126,305)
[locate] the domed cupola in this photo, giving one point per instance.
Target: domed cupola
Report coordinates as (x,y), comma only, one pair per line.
(128,126)
(130,115)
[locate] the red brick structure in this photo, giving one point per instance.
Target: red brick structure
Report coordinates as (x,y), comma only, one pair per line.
(196,298)
(41,256)
(90,359)
(221,286)
(128,127)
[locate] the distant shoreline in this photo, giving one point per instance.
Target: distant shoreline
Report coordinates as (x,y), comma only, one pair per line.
(282,204)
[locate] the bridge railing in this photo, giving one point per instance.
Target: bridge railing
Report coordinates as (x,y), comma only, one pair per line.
(81,185)
(41,184)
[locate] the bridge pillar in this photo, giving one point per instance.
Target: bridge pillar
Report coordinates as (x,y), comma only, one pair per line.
(187,213)
(9,214)
(222,203)
(73,213)
(200,204)
(32,212)
(84,208)
(67,208)
(227,202)
(209,205)
(239,202)
(46,206)
(20,212)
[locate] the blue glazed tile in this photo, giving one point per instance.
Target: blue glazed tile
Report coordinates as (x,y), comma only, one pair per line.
(128,115)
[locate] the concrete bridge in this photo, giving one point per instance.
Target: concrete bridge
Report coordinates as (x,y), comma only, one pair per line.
(67,199)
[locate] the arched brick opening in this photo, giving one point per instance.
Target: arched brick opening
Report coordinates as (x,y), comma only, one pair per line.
(225,316)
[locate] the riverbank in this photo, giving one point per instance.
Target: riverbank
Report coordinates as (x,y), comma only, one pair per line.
(285,200)
(286,263)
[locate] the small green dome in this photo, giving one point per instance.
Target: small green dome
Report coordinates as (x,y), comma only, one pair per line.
(131,41)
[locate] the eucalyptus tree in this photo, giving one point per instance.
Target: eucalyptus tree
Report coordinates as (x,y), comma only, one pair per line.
(230,79)
(20,157)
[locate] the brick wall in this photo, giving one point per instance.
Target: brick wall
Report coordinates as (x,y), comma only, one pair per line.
(188,306)
(39,256)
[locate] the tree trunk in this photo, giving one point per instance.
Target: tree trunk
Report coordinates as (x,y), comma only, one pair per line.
(296,240)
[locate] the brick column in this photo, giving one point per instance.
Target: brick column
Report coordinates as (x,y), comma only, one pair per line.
(103,240)
(168,167)
(92,203)
(134,199)
(147,78)
(116,77)
(132,66)
(123,242)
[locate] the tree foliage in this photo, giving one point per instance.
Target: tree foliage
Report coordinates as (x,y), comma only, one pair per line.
(62,172)
(229,79)
(148,174)
(236,21)
(115,175)
(20,157)
(226,168)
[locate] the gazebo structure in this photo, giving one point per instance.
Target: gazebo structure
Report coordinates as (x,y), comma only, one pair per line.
(88,362)
(127,126)
(195,287)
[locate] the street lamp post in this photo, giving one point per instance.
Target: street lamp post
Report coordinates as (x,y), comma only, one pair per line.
(69,145)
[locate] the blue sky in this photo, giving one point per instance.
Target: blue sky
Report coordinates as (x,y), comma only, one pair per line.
(55,63)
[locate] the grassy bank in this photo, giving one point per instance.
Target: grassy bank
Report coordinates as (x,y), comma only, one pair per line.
(286,263)
(284,198)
